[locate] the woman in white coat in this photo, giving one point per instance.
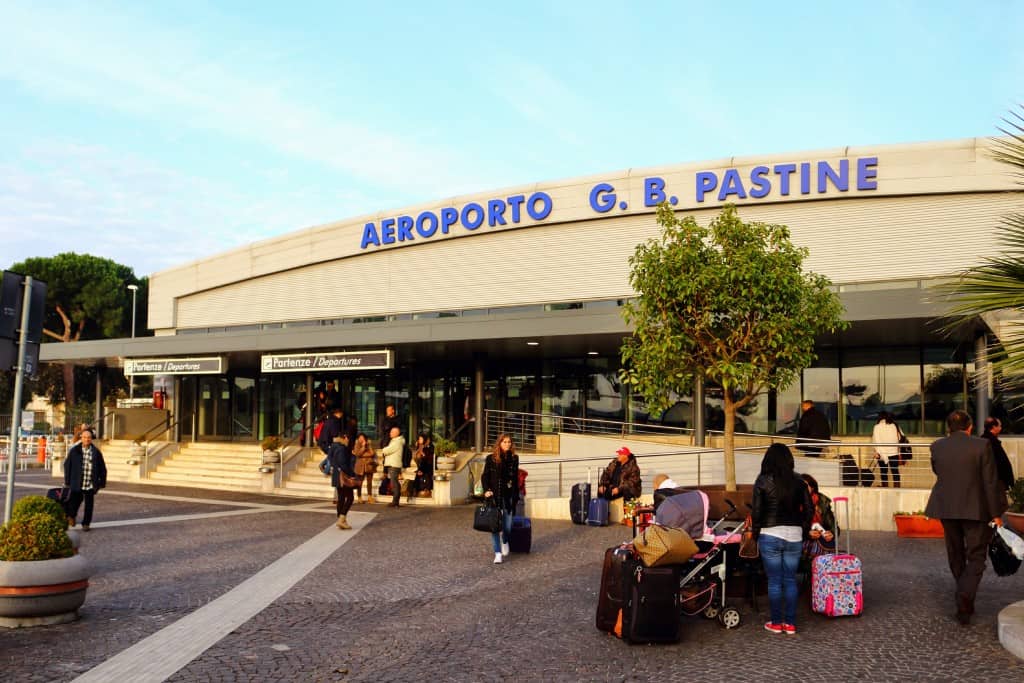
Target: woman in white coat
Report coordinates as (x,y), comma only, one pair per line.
(886,431)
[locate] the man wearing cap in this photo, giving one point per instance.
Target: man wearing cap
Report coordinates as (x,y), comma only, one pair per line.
(621,479)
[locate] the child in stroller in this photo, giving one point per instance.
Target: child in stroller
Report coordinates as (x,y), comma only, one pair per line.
(703,579)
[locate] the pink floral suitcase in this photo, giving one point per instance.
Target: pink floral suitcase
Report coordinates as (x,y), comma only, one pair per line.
(837,582)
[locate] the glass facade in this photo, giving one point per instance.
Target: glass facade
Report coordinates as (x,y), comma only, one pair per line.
(919,385)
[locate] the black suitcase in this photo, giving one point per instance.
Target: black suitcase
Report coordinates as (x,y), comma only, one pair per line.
(522,535)
(852,475)
(609,596)
(650,610)
(579,502)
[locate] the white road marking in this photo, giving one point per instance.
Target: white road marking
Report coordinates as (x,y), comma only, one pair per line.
(160,655)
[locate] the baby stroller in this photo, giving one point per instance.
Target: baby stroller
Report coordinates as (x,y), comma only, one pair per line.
(703,579)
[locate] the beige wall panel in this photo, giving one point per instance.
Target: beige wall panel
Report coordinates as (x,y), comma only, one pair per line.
(928,168)
(850,241)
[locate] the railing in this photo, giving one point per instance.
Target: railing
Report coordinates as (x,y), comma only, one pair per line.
(524,427)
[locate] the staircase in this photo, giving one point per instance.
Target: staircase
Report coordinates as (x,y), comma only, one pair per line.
(224,466)
(307,480)
(116,453)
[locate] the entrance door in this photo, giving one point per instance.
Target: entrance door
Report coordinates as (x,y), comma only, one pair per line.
(214,409)
(244,405)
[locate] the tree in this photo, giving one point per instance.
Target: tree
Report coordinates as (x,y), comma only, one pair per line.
(86,298)
(728,303)
(997,284)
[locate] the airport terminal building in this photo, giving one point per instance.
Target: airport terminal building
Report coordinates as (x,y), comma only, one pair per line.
(511,299)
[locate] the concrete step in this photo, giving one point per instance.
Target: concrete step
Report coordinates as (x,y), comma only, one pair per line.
(207,484)
(211,479)
(222,460)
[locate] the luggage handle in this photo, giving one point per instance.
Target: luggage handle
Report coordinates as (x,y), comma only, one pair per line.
(845,500)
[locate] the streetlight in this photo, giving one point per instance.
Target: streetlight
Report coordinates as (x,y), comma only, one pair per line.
(131,378)
(134,289)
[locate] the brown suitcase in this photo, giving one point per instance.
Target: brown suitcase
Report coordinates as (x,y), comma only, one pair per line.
(609,597)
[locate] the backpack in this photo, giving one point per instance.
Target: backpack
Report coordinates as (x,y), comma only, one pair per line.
(406,456)
(318,428)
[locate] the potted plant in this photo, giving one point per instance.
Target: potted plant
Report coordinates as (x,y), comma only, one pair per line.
(42,579)
(917,525)
(445,450)
(1014,517)
(271,448)
(138,451)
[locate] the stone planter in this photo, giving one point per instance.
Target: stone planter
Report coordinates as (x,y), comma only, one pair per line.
(445,463)
(270,457)
(917,526)
(42,592)
(138,453)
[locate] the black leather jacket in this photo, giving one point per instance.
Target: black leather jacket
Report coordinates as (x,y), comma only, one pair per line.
(771,510)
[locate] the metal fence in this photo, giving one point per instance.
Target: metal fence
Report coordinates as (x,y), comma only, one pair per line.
(832,463)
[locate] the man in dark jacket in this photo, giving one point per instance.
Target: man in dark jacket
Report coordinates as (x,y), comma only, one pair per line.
(389,420)
(621,479)
(334,427)
(813,426)
(966,497)
(85,473)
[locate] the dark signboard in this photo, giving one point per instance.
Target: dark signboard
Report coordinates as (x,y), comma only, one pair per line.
(328,361)
(211,365)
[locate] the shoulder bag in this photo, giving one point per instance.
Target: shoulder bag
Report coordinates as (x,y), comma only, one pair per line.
(659,545)
(906,452)
(487,518)
(748,543)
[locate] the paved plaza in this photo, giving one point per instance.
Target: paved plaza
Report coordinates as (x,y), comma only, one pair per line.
(194,585)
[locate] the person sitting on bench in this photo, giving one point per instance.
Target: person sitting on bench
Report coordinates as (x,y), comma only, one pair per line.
(621,479)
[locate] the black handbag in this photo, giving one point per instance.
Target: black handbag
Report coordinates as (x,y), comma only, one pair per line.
(906,452)
(1004,562)
(487,518)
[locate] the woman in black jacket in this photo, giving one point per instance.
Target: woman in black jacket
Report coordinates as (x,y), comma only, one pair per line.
(501,486)
(781,518)
(1004,470)
(343,463)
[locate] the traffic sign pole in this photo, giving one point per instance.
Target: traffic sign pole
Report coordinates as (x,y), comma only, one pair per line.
(19,379)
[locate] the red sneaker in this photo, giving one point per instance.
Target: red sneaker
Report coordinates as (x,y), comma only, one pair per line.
(789,629)
(773,628)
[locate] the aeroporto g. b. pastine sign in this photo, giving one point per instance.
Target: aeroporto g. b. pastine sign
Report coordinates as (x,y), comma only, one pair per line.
(782,180)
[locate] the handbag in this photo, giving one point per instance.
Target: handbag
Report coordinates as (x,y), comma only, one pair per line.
(487,518)
(1004,562)
(748,542)
(659,545)
(348,481)
(906,452)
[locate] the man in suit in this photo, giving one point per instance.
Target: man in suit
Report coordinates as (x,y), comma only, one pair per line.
(966,497)
(813,426)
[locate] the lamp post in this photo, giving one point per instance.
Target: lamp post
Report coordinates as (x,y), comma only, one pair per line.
(131,378)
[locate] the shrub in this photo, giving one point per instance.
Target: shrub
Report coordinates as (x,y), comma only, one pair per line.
(1016,496)
(445,446)
(35,537)
(31,505)
(271,443)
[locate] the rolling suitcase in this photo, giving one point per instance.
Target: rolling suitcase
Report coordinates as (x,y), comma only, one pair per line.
(579,502)
(522,535)
(609,595)
(597,513)
(837,582)
(650,610)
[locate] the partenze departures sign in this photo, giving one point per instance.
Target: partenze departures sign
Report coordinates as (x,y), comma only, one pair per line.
(327,362)
(786,179)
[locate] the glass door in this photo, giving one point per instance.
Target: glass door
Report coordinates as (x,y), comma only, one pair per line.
(243,402)
(214,409)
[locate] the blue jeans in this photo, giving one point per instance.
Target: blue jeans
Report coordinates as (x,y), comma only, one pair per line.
(781,559)
(506,527)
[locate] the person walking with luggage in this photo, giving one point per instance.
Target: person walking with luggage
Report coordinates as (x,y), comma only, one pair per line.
(85,473)
(621,479)
(966,497)
(366,465)
(343,478)
(392,455)
(501,488)
(886,431)
(781,518)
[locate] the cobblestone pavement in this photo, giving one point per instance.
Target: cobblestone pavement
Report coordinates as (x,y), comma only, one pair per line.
(414,595)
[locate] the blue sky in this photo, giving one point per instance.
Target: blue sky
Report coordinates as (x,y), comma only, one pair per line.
(158,133)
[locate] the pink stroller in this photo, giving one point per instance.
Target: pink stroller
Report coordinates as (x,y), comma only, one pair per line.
(703,578)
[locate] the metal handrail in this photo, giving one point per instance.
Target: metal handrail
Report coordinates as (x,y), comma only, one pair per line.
(162,426)
(294,439)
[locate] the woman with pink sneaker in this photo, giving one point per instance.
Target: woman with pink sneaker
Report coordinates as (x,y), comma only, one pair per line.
(781,516)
